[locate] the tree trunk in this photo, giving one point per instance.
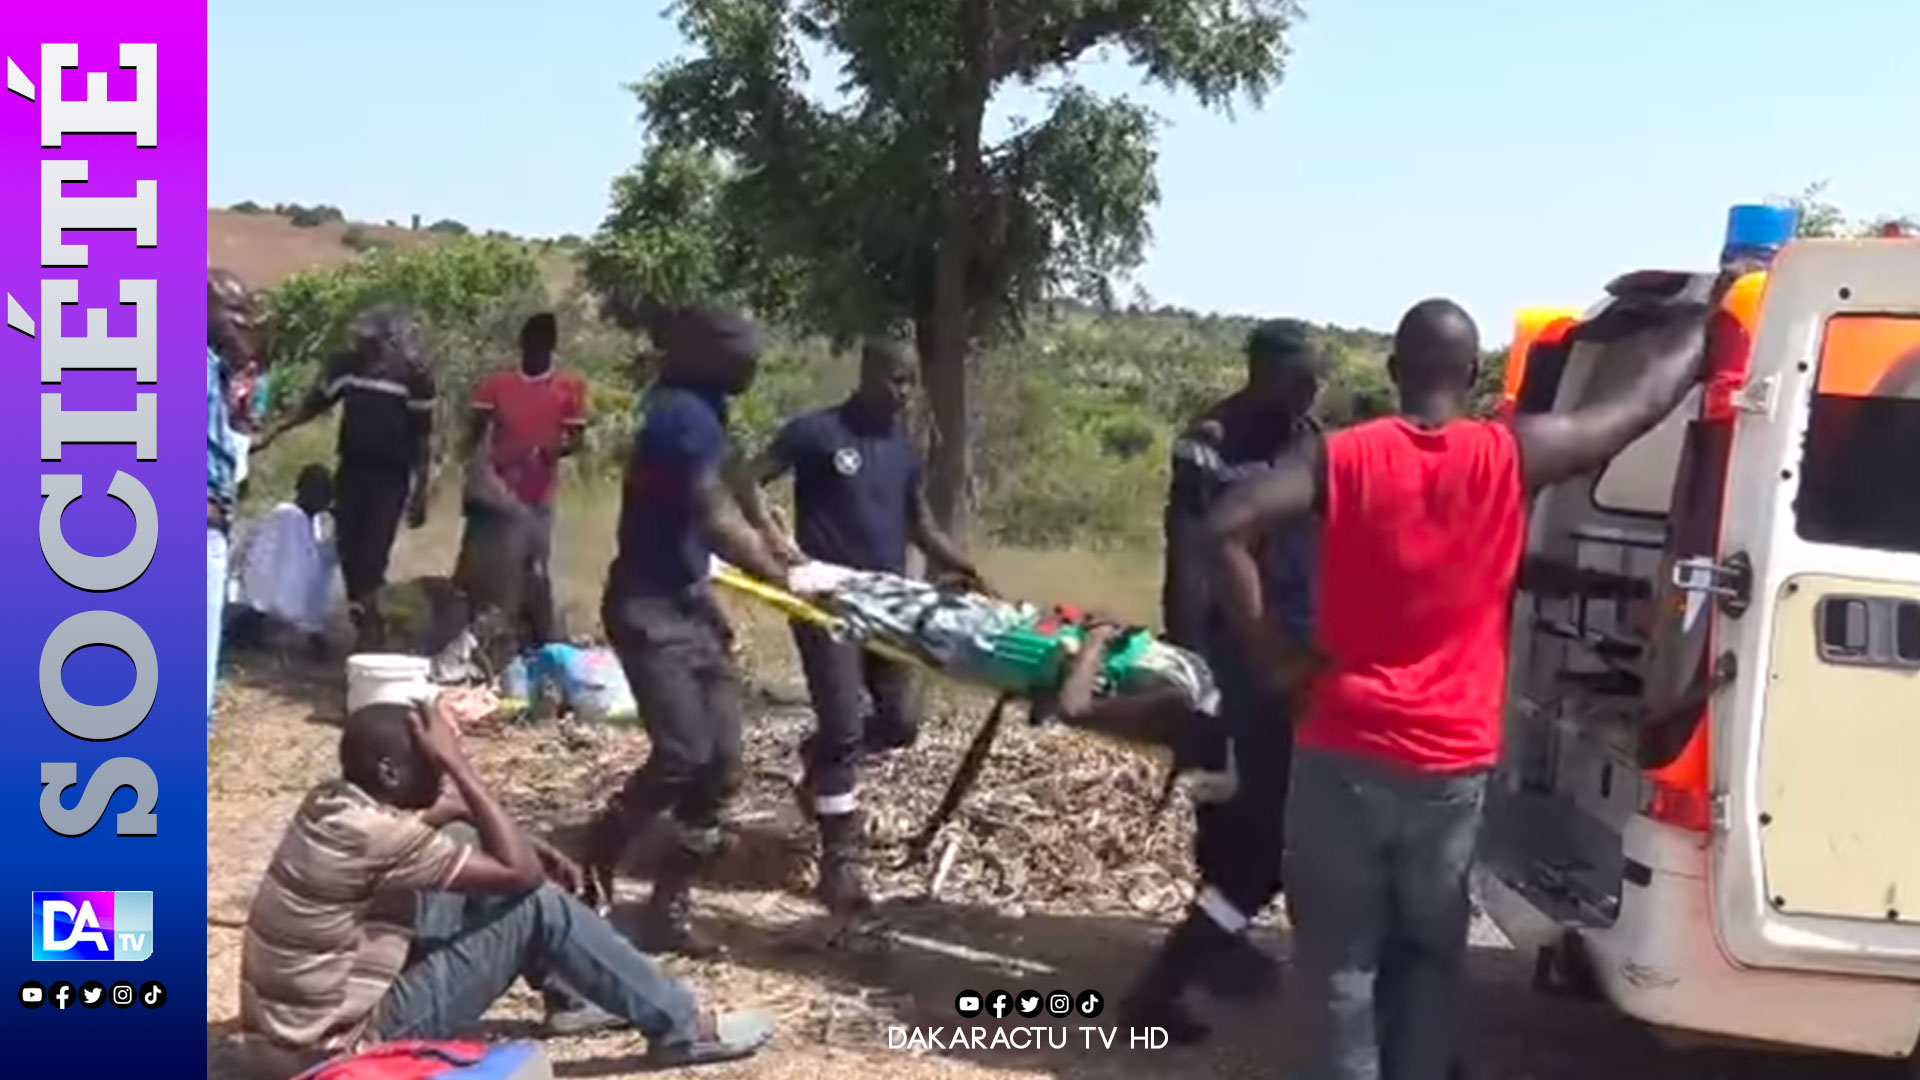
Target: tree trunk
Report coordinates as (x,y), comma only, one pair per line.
(944,333)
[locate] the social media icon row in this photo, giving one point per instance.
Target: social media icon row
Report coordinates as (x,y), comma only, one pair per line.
(1029,1003)
(92,995)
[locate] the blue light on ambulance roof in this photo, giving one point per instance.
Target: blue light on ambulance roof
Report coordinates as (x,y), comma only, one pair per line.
(1760,227)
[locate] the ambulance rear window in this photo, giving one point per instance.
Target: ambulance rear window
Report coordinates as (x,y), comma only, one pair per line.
(1860,477)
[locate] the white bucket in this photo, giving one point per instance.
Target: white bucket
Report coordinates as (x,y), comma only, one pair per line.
(395,678)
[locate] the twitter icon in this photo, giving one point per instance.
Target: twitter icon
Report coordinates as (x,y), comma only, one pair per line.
(92,994)
(1028,1003)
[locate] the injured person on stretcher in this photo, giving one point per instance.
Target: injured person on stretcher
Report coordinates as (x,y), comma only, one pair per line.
(1160,709)
(1085,672)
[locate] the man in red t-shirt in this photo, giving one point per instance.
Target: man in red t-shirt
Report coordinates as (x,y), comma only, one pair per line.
(525,420)
(1425,526)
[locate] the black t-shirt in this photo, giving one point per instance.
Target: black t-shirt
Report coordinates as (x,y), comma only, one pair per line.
(855,482)
(386,410)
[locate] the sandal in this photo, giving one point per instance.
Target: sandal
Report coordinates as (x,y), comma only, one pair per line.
(729,1036)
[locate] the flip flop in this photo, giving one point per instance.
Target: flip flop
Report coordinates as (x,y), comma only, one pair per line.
(736,1035)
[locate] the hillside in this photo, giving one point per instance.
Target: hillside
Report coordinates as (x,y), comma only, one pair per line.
(266,249)
(1074,417)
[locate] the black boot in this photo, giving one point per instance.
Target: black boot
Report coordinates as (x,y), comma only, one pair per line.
(1242,971)
(1155,1000)
(369,629)
(840,888)
(666,924)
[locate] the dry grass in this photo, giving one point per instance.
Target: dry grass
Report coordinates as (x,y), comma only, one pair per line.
(1055,865)
(1061,879)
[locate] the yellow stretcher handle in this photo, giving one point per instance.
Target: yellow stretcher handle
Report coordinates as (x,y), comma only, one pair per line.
(796,608)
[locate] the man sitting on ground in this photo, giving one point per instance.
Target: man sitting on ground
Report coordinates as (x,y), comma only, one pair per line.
(374,924)
(284,571)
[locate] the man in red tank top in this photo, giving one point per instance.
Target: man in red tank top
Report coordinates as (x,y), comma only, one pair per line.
(1425,528)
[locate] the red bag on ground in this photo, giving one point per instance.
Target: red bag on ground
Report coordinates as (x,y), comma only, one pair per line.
(422,1060)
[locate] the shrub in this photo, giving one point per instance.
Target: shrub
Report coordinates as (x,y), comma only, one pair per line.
(308,217)
(449,227)
(360,239)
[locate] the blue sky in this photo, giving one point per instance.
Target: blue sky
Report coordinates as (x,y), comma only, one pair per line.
(1504,152)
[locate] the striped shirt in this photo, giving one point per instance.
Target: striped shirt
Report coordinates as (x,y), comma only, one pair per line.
(331,925)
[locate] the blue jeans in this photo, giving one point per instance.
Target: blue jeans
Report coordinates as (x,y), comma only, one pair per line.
(216,610)
(468,950)
(1377,884)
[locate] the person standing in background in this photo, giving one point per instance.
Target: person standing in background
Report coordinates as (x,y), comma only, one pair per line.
(233,367)
(1239,838)
(858,503)
(385,389)
(526,420)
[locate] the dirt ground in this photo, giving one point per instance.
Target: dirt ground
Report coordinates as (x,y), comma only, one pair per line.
(277,732)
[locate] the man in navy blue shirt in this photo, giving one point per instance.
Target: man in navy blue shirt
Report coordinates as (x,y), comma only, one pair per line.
(661,617)
(1238,840)
(857,503)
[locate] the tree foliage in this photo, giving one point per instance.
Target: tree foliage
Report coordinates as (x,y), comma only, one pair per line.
(671,237)
(308,217)
(1821,219)
(892,208)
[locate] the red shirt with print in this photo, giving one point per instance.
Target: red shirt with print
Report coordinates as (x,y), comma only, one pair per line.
(532,415)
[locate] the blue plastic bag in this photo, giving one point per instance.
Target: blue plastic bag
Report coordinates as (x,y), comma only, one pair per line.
(588,681)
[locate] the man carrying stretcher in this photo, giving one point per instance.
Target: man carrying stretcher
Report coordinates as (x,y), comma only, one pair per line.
(858,503)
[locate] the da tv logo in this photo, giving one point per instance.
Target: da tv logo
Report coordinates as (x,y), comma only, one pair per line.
(92,925)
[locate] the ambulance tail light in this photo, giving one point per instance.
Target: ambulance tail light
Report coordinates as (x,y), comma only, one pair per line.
(1681,794)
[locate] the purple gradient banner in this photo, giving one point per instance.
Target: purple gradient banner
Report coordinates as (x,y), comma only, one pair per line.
(103,158)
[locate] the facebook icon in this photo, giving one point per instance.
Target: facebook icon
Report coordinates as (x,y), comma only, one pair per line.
(92,925)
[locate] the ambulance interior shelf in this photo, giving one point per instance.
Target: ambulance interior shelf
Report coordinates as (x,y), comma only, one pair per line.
(1565,584)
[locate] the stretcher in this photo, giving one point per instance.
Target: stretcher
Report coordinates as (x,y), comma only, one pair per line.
(1017,650)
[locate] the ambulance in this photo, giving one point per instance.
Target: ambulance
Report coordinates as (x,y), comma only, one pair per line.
(1708,812)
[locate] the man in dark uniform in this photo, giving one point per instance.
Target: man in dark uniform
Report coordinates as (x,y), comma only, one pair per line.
(1239,840)
(663,621)
(858,503)
(385,390)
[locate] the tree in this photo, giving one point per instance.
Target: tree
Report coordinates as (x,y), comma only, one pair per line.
(671,237)
(894,209)
(1820,219)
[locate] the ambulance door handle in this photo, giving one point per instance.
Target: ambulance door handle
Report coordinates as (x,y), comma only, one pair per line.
(1730,582)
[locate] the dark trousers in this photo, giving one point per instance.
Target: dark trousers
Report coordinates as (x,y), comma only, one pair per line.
(677,654)
(468,950)
(1240,843)
(839,677)
(502,569)
(1377,868)
(369,502)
